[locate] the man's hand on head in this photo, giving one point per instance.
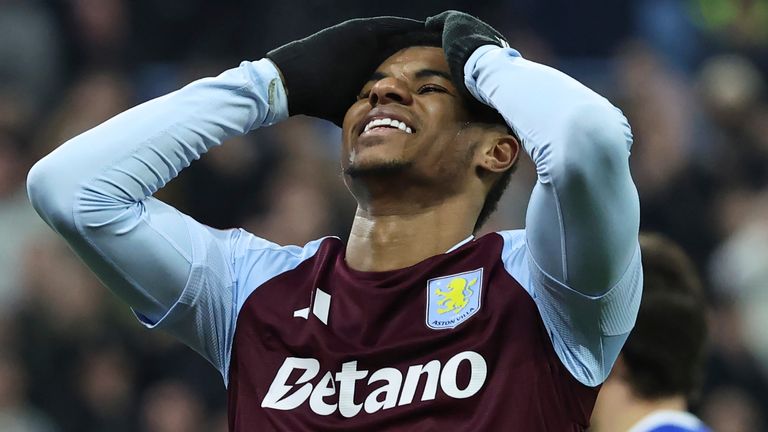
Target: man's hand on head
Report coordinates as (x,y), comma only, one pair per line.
(323,72)
(462,35)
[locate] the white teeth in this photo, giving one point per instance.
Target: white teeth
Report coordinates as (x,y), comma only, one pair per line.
(388,122)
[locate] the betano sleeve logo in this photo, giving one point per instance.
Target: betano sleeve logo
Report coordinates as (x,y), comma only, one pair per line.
(453,299)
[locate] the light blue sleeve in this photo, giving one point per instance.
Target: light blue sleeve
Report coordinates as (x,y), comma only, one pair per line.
(579,255)
(95,191)
(587,332)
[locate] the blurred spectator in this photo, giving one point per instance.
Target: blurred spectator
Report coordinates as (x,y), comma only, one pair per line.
(732,410)
(16,415)
(18,221)
(30,66)
(29,75)
(106,388)
(101,32)
(171,407)
(93,98)
(669,29)
(662,110)
(732,365)
(660,366)
(739,23)
(667,154)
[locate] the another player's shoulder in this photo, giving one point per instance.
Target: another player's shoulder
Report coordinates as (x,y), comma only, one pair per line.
(678,428)
(670,421)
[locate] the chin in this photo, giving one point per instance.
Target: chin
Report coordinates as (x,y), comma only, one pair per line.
(381,168)
(379,159)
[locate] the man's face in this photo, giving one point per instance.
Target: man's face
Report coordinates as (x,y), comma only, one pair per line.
(409,120)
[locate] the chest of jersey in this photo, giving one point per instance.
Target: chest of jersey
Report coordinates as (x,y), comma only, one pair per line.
(451,343)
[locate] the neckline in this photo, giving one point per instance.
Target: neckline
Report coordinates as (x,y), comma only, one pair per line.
(385,274)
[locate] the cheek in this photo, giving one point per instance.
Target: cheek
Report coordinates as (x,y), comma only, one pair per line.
(446,140)
(351,118)
(352,115)
(445,109)
(451,151)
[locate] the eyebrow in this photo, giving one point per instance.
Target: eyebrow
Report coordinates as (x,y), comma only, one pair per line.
(422,73)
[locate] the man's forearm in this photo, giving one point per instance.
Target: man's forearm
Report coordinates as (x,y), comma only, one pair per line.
(94,189)
(583,217)
(135,153)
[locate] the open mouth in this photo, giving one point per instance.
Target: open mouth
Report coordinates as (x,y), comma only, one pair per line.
(386,123)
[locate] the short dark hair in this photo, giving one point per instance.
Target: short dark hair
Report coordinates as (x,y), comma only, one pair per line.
(664,354)
(479,112)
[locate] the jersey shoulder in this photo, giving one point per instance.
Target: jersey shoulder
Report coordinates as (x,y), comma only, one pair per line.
(514,256)
(256,260)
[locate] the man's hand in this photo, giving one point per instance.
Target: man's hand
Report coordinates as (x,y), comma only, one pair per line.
(324,72)
(462,35)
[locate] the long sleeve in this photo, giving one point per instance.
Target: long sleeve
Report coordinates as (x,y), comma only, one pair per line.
(95,190)
(584,216)
(581,253)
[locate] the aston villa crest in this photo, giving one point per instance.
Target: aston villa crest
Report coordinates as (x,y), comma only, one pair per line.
(453,299)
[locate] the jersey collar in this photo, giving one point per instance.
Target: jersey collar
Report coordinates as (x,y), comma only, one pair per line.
(461,243)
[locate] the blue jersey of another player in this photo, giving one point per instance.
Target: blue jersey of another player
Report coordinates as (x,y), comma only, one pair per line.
(670,421)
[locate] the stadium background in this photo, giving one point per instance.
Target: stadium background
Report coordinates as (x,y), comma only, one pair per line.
(689,74)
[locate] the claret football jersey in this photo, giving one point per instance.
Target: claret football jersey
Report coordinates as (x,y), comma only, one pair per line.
(451,343)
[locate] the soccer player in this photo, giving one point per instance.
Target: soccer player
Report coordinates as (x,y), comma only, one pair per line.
(660,366)
(414,324)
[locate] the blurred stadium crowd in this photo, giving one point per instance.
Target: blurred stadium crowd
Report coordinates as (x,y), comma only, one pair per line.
(689,74)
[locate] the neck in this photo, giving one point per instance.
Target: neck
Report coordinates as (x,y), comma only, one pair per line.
(394,237)
(622,418)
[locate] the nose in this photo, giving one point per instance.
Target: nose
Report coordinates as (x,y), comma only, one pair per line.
(390,90)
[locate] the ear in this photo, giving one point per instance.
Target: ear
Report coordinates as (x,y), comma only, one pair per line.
(500,151)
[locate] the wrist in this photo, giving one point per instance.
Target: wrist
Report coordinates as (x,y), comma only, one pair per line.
(266,79)
(476,60)
(280,74)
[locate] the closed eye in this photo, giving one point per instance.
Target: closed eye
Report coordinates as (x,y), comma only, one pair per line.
(431,88)
(427,88)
